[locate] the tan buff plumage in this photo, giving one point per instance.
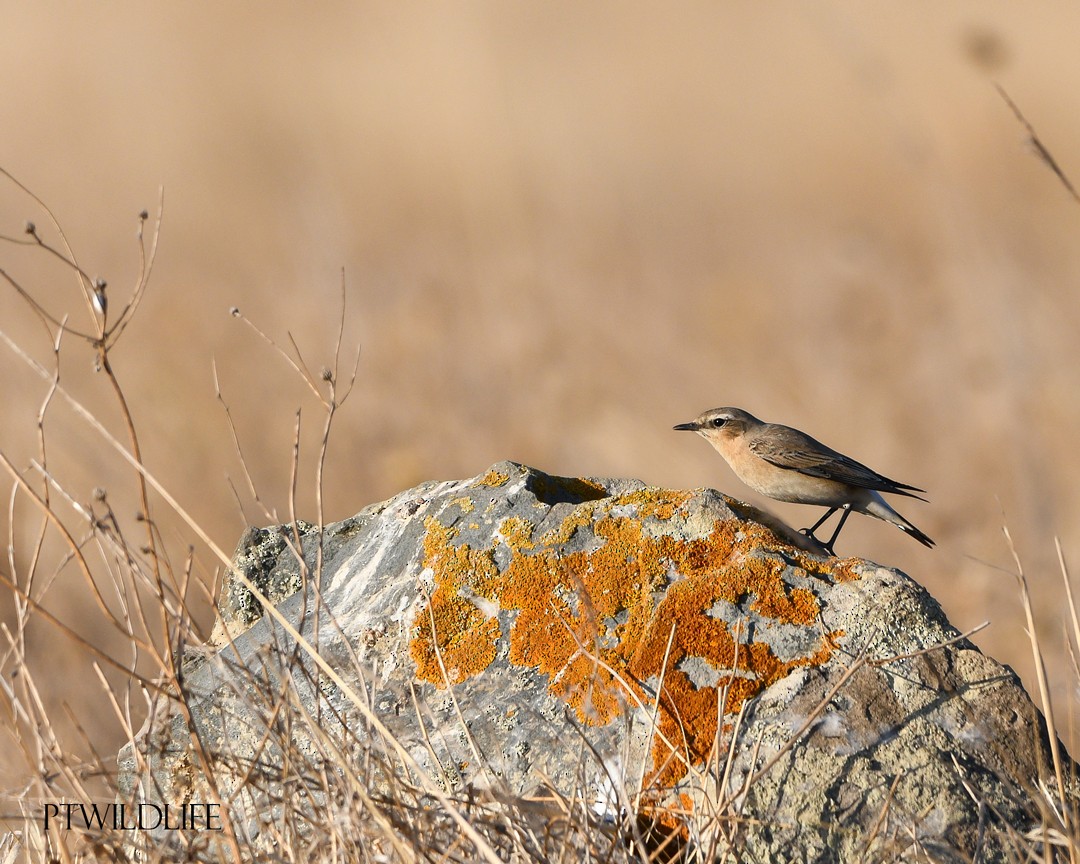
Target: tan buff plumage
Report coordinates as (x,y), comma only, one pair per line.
(788,465)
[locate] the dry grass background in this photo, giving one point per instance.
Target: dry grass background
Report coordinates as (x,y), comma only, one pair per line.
(564,229)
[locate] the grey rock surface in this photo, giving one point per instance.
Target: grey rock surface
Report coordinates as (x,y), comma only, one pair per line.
(517,629)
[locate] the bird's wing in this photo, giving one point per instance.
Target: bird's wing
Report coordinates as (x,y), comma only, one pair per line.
(789,448)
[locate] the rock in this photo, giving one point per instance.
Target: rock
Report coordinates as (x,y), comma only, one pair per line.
(514,630)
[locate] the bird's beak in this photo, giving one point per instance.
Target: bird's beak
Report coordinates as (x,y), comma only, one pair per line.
(686,427)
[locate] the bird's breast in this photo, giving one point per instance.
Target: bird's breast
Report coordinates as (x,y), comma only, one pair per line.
(785,484)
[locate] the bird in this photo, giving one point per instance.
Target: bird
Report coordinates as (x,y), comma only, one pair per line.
(788,465)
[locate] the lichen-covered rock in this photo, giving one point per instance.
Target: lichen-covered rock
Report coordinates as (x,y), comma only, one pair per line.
(657,646)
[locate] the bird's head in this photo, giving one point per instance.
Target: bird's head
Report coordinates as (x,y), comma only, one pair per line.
(719,424)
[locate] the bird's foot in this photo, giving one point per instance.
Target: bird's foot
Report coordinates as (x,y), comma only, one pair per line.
(828,547)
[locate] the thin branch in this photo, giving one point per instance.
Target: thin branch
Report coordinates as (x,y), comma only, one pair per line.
(1037,145)
(1040,675)
(331,673)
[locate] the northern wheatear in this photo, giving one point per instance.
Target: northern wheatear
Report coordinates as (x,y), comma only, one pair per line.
(788,465)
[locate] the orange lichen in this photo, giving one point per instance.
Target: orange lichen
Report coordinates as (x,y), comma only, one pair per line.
(466,638)
(588,620)
(650,504)
(466,642)
(833,569)
(581,516)
(493,478)
(517,532)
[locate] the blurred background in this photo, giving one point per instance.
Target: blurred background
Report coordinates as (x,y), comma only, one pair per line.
(564,228)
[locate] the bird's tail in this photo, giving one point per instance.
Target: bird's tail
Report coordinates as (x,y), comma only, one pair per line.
(879,507)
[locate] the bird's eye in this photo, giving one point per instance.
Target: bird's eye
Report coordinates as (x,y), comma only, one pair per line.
(719,421)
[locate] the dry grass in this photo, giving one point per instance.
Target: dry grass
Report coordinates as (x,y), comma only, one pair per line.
(357,796)
(362,798)
(566,230)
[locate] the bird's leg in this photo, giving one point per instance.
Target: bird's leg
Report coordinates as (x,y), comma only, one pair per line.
(809,532)
(836,533)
